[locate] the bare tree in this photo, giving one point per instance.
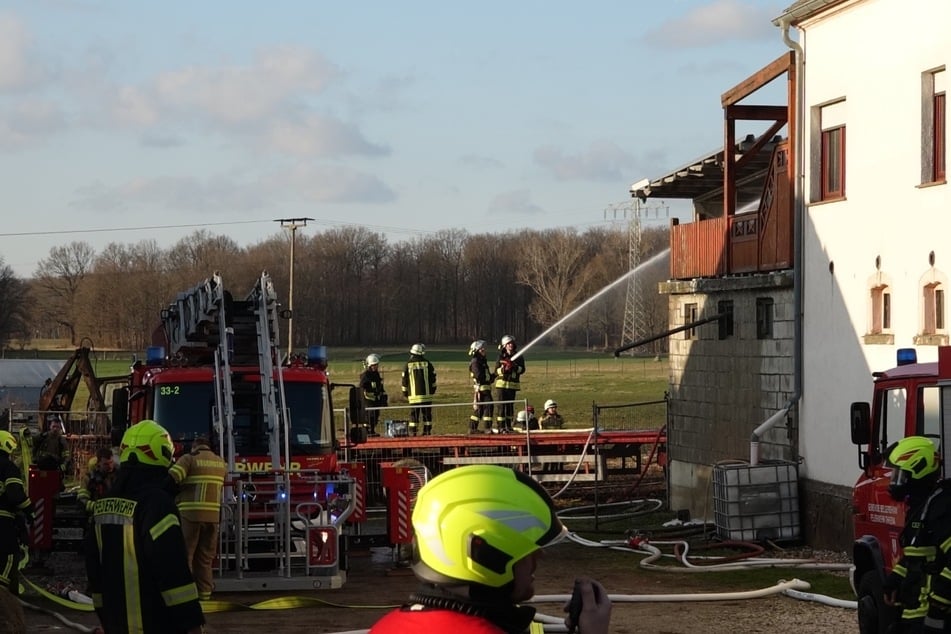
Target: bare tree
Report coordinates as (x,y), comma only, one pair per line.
(15,303)
(554,264)
(60,279)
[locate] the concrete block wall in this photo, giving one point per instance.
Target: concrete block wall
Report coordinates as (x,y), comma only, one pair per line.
(721,390)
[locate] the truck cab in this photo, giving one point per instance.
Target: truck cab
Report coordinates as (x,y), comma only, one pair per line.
(906,401)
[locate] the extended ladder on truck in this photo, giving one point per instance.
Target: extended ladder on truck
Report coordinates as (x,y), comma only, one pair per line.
(258,519)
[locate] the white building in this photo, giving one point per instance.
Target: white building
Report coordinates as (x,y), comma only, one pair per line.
(843,261)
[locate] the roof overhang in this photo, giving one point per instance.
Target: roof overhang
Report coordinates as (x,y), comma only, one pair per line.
(736,179)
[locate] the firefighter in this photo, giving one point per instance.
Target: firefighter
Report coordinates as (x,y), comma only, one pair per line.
(374,395)
(51,449)
(100,476)
(16,512)
(135,554)
(479,531)
(920,582)
(419,385)
(200,475)
(508,369)
(526,419)
(482,388)
(551,419)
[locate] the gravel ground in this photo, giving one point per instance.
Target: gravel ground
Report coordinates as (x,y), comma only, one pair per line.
(372,588)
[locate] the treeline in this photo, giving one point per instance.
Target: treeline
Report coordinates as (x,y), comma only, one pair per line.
(351,287)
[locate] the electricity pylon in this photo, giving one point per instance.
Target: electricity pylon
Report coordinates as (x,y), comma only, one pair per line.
(637,303)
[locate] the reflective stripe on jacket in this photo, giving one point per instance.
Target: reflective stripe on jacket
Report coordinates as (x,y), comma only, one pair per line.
(137,566)
(419,380)
(201,476)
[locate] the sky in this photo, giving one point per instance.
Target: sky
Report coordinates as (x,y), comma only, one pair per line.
(123,120)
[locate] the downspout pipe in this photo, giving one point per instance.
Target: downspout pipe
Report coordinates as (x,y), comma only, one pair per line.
(800,208)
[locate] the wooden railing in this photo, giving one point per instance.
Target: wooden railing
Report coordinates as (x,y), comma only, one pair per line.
(755,242)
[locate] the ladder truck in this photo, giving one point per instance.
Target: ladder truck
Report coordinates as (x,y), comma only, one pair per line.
(214,371)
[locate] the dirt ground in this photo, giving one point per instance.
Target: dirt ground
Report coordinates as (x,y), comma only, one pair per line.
(373,587)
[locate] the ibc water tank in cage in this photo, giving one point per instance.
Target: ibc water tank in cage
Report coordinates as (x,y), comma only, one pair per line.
(757,503)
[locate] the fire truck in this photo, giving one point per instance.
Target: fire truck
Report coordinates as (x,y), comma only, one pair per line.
(215,371)
(906,401)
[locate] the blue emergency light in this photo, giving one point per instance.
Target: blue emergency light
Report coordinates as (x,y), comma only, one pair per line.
(154,355)
(317,355)
(906,356)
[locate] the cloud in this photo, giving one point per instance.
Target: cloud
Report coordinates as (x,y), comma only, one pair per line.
(19,67)
(227,193)
(517,201)
(245,93)
(333,183)
(28,120)
(474,161)
(271,104)
(602,161)
(715,23)
(318,135)
(174,193)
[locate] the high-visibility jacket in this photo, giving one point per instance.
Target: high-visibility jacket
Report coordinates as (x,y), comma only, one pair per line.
(13,498)
(923,574)
(200,476)
(13,501)
(372,384)
(136,561)
(480,373)
(419,619)
(419,380)
(508,371)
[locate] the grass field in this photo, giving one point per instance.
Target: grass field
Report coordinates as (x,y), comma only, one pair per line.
(576,380)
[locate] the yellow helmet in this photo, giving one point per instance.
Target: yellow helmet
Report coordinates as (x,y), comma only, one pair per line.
(473,523)
(914,463)
(8,442)
(147,442)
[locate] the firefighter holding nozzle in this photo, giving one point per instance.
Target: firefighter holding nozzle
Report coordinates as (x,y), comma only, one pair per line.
(920,582)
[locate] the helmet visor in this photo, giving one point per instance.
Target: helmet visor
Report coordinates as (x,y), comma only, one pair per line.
(900,477)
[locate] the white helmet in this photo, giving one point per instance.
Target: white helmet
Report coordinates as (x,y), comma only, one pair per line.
(418,348)
(476,346)
(508,339)
(550,403)
(373,359)
(522,416)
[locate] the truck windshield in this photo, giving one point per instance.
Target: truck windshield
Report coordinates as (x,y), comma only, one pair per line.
(187,409)
(184,409)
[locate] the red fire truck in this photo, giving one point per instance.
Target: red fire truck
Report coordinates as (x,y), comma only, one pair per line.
(906,401)
(214,370)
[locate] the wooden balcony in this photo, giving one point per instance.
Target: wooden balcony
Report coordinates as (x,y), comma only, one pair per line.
(754,242)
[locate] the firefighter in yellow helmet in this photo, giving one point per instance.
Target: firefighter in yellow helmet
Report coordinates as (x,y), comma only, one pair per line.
(920,582)
(15,511)
(135,554)
(479,531)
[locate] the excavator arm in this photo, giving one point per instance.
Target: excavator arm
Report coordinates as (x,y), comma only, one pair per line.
(59,394)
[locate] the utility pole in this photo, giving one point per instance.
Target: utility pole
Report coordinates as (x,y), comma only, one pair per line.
(292,224)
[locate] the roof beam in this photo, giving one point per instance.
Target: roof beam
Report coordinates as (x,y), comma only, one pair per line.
(757,80)
(758,113)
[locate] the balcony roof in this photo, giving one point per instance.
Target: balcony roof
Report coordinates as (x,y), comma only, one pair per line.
(702,179)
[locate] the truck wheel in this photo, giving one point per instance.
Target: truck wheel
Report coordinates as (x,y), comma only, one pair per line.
(874,616)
